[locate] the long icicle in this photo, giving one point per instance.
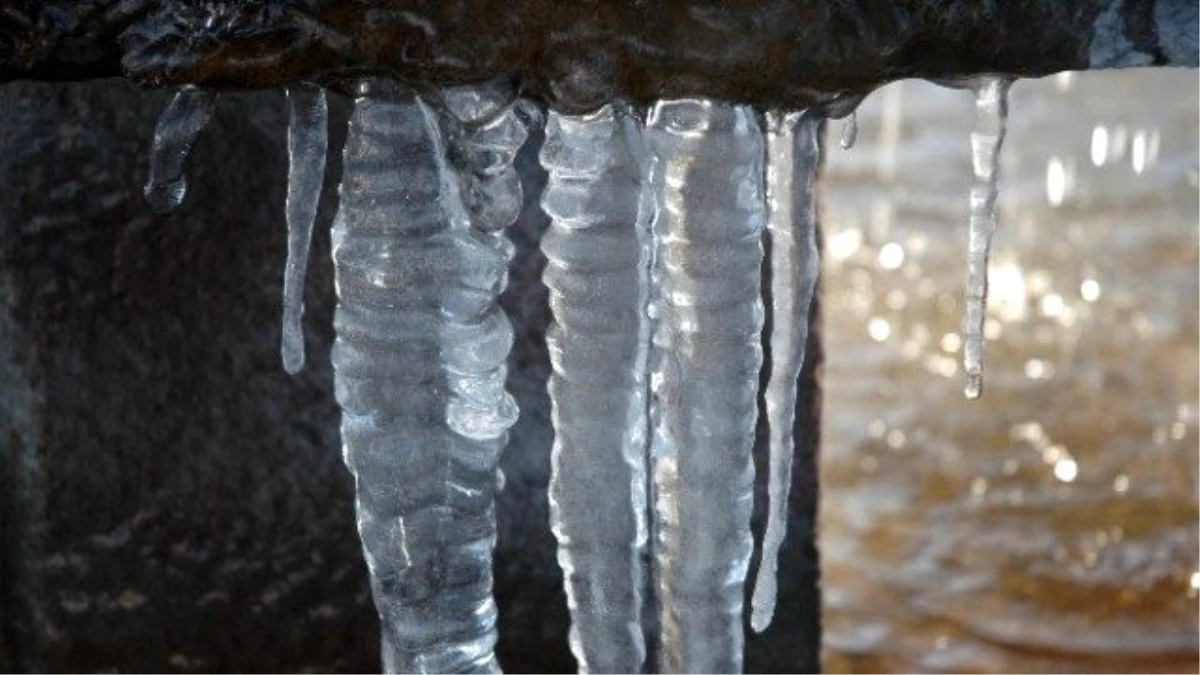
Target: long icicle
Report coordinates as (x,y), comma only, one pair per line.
(174,135)
(793,157)
(420,363)
(706,174)
(598,255)
(991,118)
(308,141)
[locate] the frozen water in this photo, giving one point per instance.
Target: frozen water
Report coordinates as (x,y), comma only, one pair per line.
(991,115)
(706,174)
(597,272)
(793,157)
(849,131)
(174,135)
(307,143)
(419,372)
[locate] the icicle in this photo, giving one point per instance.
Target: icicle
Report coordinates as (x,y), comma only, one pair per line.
(598,256)
(706,174)
(850,131)
(793,156)
(174,134)
(419,365)
(307,143)
(991,115)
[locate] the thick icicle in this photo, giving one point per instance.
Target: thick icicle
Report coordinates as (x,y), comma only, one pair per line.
(793,157)
(598,256)
(991,116)
(849,131)
(707,160)
(419,372)
(174,134)
(307,143)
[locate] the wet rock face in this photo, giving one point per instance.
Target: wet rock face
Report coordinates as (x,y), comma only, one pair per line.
(578,55)
(171,499)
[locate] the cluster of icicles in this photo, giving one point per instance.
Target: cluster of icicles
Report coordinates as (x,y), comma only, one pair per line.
(655,255)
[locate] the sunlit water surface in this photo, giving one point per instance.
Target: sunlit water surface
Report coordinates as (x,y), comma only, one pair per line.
(1051,525)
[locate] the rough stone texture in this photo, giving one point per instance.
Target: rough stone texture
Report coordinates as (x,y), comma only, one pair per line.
(578,55)
(170,499)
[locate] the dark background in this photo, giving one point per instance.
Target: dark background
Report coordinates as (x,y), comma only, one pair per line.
(170,499)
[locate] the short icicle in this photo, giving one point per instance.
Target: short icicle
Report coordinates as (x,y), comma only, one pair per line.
(420,362)
(793,158)
(174,135)
(598,256)
(707,178)
(308,140)
(849,131)
(991,116)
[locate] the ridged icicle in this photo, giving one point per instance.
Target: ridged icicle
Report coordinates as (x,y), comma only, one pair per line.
(419,372)
(793,158)
(991,118)
(308,140)
(598,253)
(174,135)
(707,161)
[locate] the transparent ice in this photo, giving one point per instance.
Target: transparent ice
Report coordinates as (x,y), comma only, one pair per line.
(991,116)
(419,362)
(597,272)
(174,135)
(706,175)
(793,157)
(307,144)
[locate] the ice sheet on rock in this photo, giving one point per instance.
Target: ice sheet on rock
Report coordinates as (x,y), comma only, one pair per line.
(991,116)
(793,158)
(174,135)
(706,175)
(598,256)
(307,144)
(419,363)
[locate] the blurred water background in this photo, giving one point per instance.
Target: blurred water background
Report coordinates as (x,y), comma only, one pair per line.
(1052,525)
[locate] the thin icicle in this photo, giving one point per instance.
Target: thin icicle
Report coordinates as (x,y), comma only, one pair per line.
(174,134)
(597,272)
(793,157)
(706,174)
(849,131)
(308,140)
(991,115)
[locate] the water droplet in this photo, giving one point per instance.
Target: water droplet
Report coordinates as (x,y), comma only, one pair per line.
(1089,290)
(879,329)
(1066,470)
(1056,181)
(1052,305)
(891,256)
(1099,145)
(1121,484)
(979,486)
(951,342)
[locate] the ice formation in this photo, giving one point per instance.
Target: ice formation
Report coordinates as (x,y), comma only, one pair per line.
(655,260)
(706,173)
(174,135)
(849,131)
(598,265)
(307,143)
(991,115)
(793,158)
(419,361)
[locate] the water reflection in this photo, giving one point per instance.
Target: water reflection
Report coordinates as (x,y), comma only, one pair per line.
(1052,525)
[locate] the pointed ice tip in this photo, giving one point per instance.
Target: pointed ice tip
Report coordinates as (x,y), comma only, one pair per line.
(165,197)
(974,388)
(762,603)
(292,354)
